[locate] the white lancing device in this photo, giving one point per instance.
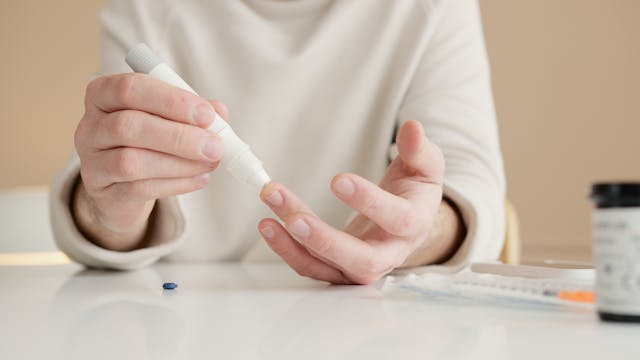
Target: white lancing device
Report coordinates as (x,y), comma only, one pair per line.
(237,158)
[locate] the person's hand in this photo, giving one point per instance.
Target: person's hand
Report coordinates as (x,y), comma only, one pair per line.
(395,218)
(139,140)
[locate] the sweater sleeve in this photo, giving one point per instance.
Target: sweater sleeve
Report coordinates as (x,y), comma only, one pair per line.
(124,24)
(450,93)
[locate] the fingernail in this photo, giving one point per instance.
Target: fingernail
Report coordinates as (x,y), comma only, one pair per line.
(203,115)
(275,198)
(300,228)
(345,187)
(267,232)
(212,148)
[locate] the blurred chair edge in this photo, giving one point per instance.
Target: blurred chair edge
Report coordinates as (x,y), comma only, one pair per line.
(511,251)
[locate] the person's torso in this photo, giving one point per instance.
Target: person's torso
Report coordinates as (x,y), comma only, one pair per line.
(312,86)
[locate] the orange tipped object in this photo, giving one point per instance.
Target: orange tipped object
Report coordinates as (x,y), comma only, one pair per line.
(579,296)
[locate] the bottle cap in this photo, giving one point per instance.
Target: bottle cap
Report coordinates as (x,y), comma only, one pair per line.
(616,193)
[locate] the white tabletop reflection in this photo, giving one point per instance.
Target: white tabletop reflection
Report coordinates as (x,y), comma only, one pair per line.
(233,311)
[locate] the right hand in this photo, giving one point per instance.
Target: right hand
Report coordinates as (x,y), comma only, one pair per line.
(139,140)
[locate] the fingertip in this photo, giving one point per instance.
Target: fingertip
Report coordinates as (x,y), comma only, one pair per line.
(410,139)
(266,228)
(220,108)
(411,128)
(414,125)
(268,222)
(202,180)
(339,176)
(203,115)
(267,189)
(262,222)
(267,192)
(343,184)
(212,147)
(418,152)
(335,179)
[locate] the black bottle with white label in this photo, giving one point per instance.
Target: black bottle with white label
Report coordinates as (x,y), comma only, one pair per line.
(616,236)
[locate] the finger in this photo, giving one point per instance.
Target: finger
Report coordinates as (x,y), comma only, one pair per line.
(220,108)
(139,129)
(392,213)
(144,93)
(418,153)
(282,201)
(131,164)
(360,261)
(296,255)
(150,189)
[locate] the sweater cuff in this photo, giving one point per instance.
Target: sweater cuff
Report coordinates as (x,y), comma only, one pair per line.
(485,222)
(166,235)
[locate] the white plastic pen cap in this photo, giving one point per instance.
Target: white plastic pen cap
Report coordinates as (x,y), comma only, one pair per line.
(142,59)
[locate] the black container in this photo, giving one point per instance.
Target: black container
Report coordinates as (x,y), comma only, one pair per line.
(616,234)
(611,195)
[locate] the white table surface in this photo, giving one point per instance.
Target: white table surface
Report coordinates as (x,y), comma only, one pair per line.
(233,311)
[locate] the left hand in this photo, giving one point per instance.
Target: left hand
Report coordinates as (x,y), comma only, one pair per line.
(394,220)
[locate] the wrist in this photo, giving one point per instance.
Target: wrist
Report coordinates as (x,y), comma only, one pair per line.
(127,230)
(447,234)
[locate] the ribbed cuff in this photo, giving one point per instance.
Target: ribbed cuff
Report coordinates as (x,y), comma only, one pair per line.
(167,234)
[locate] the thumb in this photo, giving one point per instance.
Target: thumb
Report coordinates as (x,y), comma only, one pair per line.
(418,153)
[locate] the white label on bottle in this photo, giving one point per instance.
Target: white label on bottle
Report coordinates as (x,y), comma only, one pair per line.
(616,234)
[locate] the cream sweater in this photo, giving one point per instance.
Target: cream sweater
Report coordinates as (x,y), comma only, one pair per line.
(316,87)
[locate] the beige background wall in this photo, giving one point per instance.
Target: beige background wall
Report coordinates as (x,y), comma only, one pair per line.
(567,89)
(566,82)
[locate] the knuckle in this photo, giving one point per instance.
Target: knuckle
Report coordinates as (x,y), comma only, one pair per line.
(80,135)
(370,203)
(174,101)
(324,245)
(127,163)
(123,126)
(178,137)
(92,89)
(124,88)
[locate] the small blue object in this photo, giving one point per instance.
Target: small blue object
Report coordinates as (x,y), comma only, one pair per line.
(169,286)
